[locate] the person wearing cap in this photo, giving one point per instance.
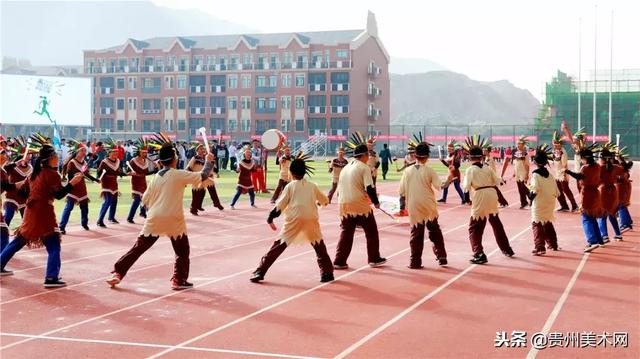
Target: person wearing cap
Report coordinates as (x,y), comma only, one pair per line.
(385,158)
(624,192)
(299,204)
(543,192)
(591,201)
(245,169)
(39,227)
(108,172)
(19,170)
(417,187)
(284,162)
(335,167)
(560,165)
(165,217)
(356,188)
(140,169)
(196,164)
(453,165)
(409,160)
(484,205)
(75,163)
(257,176)
(374,161)
(520,161)
(610,174)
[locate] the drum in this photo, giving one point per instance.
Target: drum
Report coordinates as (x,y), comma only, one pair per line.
(273,139)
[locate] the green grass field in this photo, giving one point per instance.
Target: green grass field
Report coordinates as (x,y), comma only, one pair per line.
(225,185)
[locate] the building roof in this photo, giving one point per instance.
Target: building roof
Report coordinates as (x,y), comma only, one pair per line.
(252,40)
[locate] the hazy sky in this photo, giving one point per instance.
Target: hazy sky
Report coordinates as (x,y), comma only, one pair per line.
(524,42)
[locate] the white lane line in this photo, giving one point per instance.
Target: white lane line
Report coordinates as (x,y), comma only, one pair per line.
(274,305)
(563,298)
(152,300)
(151,345)
(415,305)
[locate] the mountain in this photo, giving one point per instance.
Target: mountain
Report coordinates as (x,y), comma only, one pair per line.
(444,97)
(56,32)
(402,66)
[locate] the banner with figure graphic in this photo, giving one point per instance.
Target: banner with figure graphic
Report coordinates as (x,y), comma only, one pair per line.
(46,100)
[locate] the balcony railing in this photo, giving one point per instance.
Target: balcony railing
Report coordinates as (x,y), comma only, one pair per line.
(339,109)
(317,87)
(340,87)
(218,88)
(317,109)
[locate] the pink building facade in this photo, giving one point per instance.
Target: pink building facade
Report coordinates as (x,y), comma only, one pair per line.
(239,86)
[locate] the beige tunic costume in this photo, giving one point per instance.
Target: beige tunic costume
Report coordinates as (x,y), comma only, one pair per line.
(416,186)
(546,192)
(485,201)
(196,165)
(373,163)
(354,179)
(164,202)
(489,161)
(284,169)
(559,166)
(301,220)
(521,165)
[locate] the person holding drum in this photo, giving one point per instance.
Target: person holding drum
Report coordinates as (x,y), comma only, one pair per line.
(246,167)
(284,161)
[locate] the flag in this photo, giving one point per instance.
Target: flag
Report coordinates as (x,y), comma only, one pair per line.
(56,137)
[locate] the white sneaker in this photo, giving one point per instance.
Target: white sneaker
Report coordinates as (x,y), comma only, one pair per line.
(605,240)
(618,238)
(590,247)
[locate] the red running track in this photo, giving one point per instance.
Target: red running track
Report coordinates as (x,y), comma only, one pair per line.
(388,312)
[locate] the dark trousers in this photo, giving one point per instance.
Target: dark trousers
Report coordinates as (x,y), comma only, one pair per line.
(51,243)
(456,185)
(385,169)
(374,180)
(276,193)
(110,203)
(324,262)
(476,229)
(544,234)
(345,243)
(66,213)
(417,241)
(332,191)
(252,196)
(198,195)
(10,211)
(524,193)
(232,166)
(134,207)
(563,188)
(4,237)
(180,247)
(403,202)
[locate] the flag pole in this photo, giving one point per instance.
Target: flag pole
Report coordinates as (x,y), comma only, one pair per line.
(595,77)
(611,79)
(579,73)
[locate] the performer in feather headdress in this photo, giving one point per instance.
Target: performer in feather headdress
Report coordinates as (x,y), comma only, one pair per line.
(284,162)
(543,192)
(417,188)
(560,165)
(196,164)
(453,164)
(356,189)
(520,161)
(484,205)
(624,191)
(298,202)
(610,174)
(18,170)
(140,167)
(75,163)
(374,160)
(108,172)
(409,160)
(335,167)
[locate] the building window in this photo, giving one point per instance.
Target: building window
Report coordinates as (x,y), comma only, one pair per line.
(272,103)
(132,102)
(339,126)
(261,103)
(120,83)
(217,104)
(218,83)
(317,125)
(261,81)
(285,125)
(151,126)
(215,125)
(120,104)
(151,105)
(245,125)
(232,125)
(182,82)
(233,81)
(246,102)
(168,82)
(182,124)
(168,125)
(233,103)
(299,124)
(132,83)
(342,54)
(247,59)
(287,58)
(246,81)
(299,80)
(182,103)
(317,104)
(286,80)
(273,81)
(106,123)
(299,102)
(119,125)
(285,102)
(168,103)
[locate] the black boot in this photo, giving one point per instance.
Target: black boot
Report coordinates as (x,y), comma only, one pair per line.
(257,277)
(326,277)
(479,259)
